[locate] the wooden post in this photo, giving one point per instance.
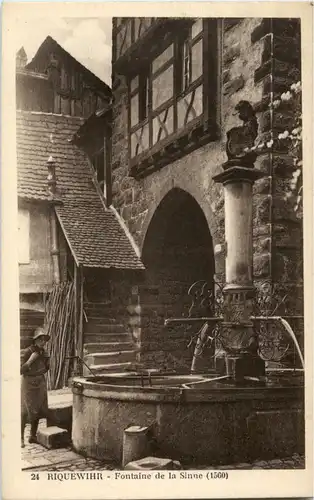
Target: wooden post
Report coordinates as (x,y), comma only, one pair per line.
(55,252)
(76,364)
(81,310)
(108,175)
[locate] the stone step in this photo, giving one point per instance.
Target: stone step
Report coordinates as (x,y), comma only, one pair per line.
(94,337)
(92,347)
(93,327)
(108,368)
(53,437)
(101,313)
(93,305)
(98,308)
(100,358)
(103,321)
(101,318)
(111,315)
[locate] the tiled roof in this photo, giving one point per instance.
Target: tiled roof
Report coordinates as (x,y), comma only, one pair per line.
(95,234)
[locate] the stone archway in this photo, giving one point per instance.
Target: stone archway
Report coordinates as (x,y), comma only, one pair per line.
(177,251)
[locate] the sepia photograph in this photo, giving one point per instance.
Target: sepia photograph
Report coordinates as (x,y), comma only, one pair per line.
(159,193)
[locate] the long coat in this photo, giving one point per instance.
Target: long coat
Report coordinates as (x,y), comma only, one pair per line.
(34,401)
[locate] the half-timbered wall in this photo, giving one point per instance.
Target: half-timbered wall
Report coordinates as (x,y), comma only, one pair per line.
(128,32)
(70,88)
(65,93)
(173,93)
(74,94)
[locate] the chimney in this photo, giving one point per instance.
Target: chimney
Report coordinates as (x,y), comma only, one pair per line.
(51,178)
(21,58)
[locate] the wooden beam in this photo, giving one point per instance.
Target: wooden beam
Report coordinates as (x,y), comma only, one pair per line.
(76,363)
(67,239)
(80,311)
(108,173)
(55,250)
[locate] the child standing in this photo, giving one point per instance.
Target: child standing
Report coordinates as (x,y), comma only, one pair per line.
(34,401)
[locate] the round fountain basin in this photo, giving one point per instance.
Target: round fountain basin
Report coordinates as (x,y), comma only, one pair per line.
(192,418)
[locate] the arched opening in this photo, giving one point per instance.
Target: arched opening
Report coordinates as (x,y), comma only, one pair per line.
(177,252)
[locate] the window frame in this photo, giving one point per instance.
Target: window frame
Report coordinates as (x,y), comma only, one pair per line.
(179,91)
(186,76)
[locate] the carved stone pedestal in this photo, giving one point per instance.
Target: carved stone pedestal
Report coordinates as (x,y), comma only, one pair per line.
(238,342)
(245,368)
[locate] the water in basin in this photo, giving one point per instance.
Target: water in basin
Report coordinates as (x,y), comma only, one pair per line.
(192,381)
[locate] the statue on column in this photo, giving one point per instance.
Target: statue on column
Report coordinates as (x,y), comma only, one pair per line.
(241,139)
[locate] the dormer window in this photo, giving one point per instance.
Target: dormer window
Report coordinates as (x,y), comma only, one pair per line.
(173,93)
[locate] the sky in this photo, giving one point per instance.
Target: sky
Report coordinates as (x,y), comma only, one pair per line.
(86,39)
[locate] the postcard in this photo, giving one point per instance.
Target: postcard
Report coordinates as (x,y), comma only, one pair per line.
(157,250)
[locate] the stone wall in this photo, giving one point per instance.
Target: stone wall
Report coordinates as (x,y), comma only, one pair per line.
(278,246)
(255,66)
(278,241)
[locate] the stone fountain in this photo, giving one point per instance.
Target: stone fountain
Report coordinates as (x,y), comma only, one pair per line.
(238,177)
(236,415)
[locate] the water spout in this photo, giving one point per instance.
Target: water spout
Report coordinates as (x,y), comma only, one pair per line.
(202,334)
(288,328)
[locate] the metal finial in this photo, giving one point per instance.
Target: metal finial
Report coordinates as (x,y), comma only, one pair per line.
(51,178)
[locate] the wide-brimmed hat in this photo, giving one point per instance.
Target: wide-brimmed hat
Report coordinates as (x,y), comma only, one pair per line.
(40,332)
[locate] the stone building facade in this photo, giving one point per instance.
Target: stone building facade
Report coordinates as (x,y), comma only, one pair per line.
(162,172)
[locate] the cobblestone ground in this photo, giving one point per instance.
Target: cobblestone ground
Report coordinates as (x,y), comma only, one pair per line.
(37,458)
(294,462)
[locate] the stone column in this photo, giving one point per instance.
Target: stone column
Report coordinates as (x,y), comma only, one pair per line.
(238,232)
(239,343)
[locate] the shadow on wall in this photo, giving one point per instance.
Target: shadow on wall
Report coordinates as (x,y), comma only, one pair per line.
(177,251)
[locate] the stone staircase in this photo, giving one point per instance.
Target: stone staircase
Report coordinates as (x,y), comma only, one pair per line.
(108,347)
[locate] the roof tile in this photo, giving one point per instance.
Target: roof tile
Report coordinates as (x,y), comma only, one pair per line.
(95,233)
